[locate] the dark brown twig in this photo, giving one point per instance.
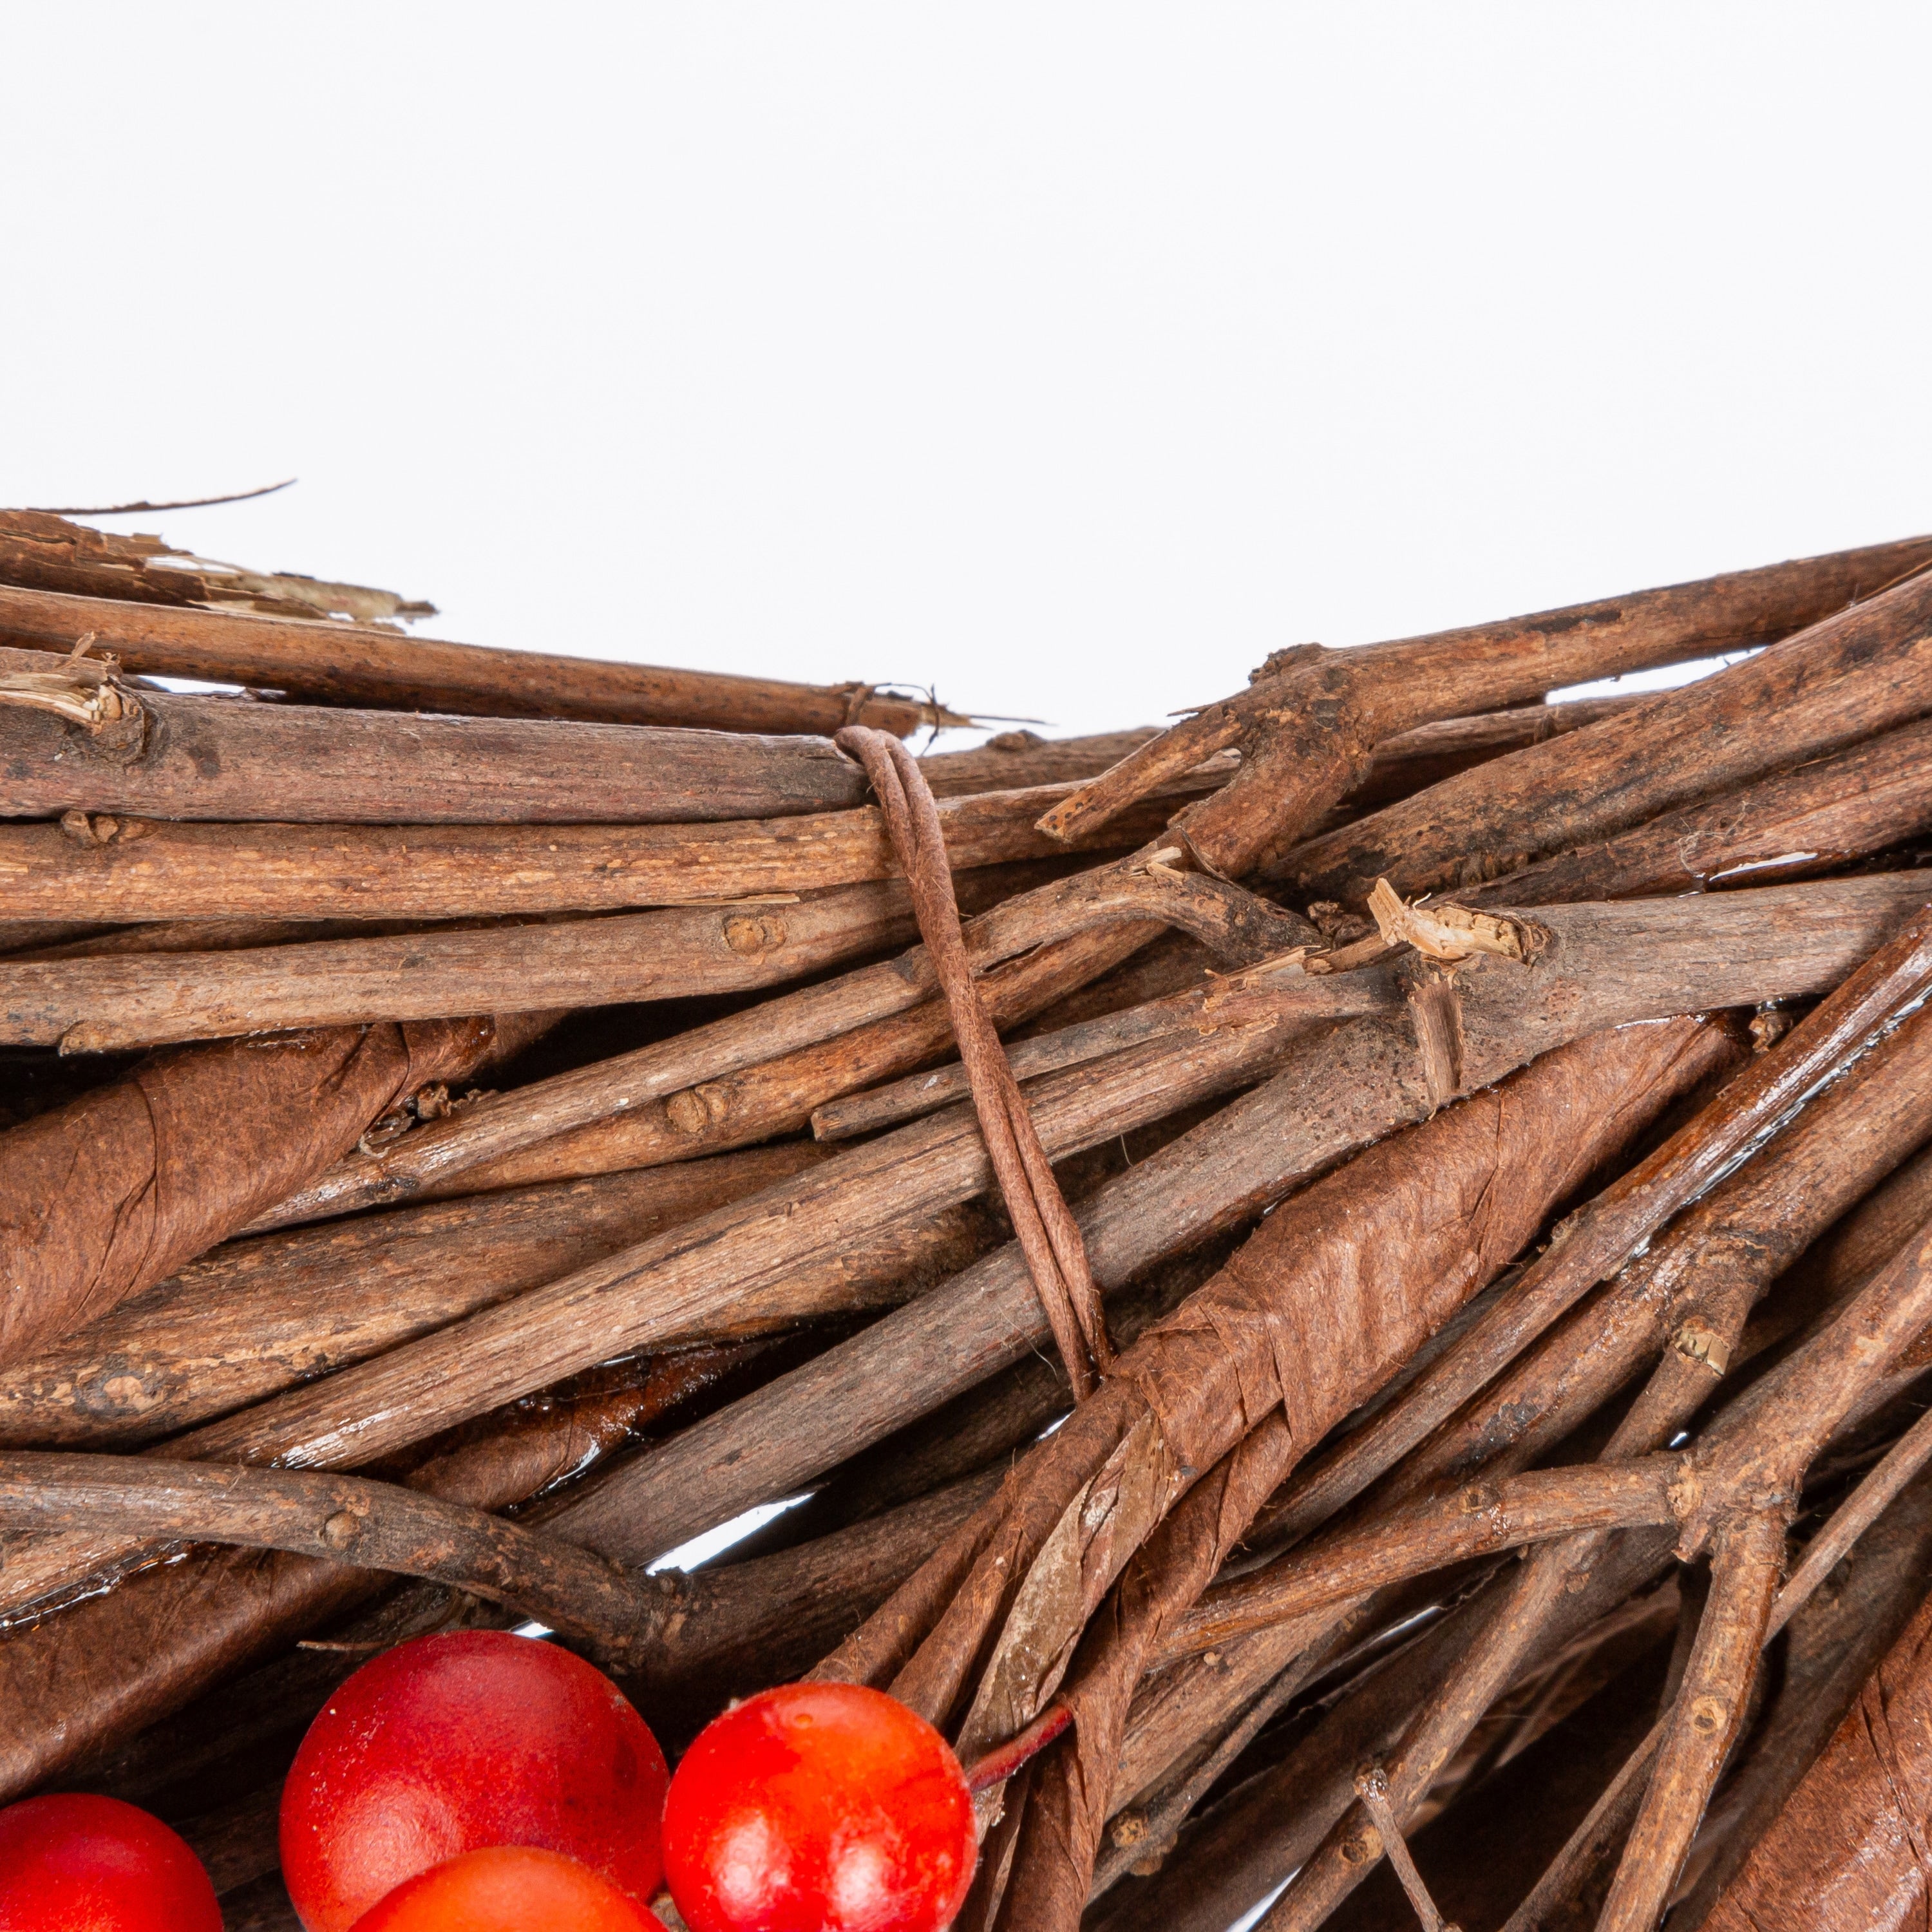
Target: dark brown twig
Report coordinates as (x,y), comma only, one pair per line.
(182,503)
(1048,1234)
(1371,1787)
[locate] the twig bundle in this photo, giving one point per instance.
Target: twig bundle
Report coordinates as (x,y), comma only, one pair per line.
(1384,1379)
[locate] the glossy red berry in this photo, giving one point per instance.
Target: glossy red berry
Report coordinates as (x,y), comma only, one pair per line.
(508,1888)
(452,1743)
(77,1864)
(819,1808)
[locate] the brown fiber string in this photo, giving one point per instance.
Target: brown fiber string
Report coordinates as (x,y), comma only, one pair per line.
(1048,1235)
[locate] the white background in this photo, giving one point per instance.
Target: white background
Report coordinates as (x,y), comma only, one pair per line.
(1068,358)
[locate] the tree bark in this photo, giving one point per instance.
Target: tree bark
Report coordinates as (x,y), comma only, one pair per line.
(168,756)
(107,1005)
(257,1316)
(1866,670)
(1815,819)
(61,587)
(1309,721)
(117,1189)
(145,869)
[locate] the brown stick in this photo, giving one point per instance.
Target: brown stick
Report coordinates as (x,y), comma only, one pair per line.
(41,548)
(913,1253)
(1080,1044)
(333,1519)
(136,869)
(1727,1249)
(105,1005)
(1013,760)
(1704,1722)
(1812,820)
(1480,1520)
(1834,1643)
(119,1188)
(1849,1849)
(344,664)
(1358,1084)
(1746,1471)
(1706,1269)
(162,755)
(1242,1849)
(1866,670)
(1188,1390)
(1048,1234)
(1599,1240)
(736,1081)
(1399,765)
(86,1681)
(709,1271)
(1552,1901)
(257,1316)
(1311,715)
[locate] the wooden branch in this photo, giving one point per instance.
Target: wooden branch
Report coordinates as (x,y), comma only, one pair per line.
(1867,671)
(333,1519)
(1399,765)
(1837,1638)
(1311,715)
(1704,1722)
(1248,1843)
(1011,761)
(87,1680)
(1710,1265)
(912,1255)
(257,1316)
(115,1191)
(1480,1520)
(344,664)
(1848,1850)
(104,1005)
(1178,1406)
(705,1270)
(1552,1903)
(1812,820)
(712,1272)
(730,1083)
(135,868)
(1726,1249)
(168,756)
(92,941)
(1759,1450)
(996,1420)
(41,549)
(921,1093)
(1331,1097)
(1600,1239)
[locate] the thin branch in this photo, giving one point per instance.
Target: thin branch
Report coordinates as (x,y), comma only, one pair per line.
(1704,1722)
(1372,1787)
(184,503)
(340,1519)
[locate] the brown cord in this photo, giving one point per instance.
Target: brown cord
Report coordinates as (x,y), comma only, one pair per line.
(1048,1235)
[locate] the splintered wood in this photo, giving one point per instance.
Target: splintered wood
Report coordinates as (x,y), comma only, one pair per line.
(1347,1285)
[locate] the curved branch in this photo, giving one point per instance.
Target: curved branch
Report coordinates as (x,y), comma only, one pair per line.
(1477,1520)
(340,1519)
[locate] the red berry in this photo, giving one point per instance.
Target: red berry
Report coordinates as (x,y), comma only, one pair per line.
(508,1888)
(76,1864)
(819,1808)
(449,1744)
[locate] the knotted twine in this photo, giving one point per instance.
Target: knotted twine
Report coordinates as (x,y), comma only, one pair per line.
(1049,1236)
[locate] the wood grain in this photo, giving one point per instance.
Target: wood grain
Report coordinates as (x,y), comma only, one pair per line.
(225,758)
